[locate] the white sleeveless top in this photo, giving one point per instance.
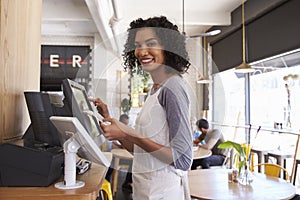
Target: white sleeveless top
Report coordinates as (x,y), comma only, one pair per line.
(152,178)
(151,123)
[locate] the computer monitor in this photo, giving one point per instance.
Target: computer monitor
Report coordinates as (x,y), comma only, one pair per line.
(41,106)
(72,101)
(76,137)
(77,101)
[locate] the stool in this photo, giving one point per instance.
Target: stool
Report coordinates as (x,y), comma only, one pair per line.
(280,156)
(118,154)
(106,190)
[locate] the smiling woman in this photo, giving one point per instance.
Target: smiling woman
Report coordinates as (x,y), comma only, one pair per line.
(162,140)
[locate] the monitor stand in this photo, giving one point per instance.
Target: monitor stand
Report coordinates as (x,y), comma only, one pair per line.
(76,138)
(71,147)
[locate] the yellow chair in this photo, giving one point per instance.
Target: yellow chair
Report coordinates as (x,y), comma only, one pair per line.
(274,170)
(106,190)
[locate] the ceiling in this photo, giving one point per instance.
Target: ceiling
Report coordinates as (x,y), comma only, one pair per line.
(87,17)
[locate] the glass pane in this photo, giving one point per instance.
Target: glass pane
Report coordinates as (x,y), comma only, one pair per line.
(275,92)
(229,103)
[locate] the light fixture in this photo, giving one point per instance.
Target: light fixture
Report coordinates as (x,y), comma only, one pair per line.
(211,33)
(244,68)
(204,79)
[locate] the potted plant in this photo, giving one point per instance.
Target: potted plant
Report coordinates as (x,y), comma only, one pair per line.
(126,105)
(145,79)
(242,158)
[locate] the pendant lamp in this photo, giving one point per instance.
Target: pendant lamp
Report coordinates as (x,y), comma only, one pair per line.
(244,68)
(204,79)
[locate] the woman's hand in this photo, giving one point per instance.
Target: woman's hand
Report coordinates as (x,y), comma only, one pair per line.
(115,130)
(101,107)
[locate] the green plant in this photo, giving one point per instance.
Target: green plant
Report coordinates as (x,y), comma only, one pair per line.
(145,78)
(126,105)
(243,151)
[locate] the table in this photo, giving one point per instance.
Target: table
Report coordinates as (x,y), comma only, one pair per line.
(213,184)
(263,155)
(93,179)
(118,154)
(201,153)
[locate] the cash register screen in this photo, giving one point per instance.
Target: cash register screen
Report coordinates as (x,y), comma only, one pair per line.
(77,100)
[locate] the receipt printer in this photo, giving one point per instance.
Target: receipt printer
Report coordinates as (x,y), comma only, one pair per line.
(33,165)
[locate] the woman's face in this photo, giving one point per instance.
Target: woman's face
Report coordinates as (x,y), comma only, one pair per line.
(148,50)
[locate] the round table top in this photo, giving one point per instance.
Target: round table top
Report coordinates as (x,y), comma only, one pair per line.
(201,153)
(122,153)
(213,184)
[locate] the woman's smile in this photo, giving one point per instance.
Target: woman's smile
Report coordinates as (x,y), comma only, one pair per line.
(146,61)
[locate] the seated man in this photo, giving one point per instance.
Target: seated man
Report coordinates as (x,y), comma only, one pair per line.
(209,139)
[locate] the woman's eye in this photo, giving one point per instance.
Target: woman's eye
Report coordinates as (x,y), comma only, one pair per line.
(136,46)
(151,44)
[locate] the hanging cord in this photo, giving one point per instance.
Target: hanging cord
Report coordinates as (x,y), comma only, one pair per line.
(243,30)
(183,17)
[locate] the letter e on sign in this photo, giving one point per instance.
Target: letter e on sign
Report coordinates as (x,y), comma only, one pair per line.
(54,60)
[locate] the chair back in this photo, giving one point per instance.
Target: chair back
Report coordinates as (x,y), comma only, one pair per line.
(274,170)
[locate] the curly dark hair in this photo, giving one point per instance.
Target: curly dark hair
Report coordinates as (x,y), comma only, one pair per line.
(175,54)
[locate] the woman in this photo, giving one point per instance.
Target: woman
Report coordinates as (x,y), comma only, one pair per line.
(162,139)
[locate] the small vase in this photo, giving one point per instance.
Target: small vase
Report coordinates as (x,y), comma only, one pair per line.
(245,176)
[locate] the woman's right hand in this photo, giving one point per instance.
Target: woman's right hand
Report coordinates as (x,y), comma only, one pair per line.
(116,130)
(101,107)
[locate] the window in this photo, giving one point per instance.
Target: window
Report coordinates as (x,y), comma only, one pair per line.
(228,102)
(274,93)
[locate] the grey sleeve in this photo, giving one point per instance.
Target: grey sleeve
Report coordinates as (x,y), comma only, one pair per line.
(176,103)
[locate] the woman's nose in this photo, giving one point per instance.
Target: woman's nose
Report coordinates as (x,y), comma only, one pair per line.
(143,51)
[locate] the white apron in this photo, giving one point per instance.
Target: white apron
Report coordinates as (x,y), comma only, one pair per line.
(153,179)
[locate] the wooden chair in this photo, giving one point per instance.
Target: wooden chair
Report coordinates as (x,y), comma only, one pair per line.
(273,170)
